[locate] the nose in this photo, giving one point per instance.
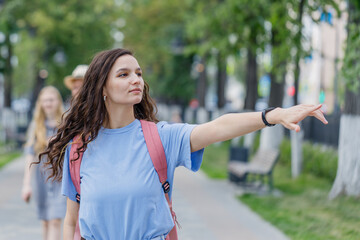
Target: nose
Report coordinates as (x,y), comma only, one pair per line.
(135,79)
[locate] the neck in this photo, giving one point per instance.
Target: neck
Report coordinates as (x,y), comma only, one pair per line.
(51,120)
(119,117)
(50,116)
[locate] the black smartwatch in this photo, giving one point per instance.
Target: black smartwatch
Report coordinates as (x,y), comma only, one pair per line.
(266,110)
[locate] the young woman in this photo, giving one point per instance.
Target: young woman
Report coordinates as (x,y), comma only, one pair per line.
(51,205)
(121,197)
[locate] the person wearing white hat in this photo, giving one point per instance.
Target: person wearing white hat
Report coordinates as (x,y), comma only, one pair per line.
(76,79)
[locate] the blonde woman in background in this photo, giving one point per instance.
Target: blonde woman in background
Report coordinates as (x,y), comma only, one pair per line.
(51,205)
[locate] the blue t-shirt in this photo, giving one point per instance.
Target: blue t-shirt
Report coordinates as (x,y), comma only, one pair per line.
(121,195)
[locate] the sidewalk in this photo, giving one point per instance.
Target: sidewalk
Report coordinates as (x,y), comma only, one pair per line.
(18,220)
(206,210)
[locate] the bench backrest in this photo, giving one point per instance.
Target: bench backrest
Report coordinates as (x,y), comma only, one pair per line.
(265,159)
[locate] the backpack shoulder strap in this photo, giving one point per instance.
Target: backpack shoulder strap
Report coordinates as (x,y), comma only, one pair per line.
(75,165)
(155,148)
(75,175)
(157,155)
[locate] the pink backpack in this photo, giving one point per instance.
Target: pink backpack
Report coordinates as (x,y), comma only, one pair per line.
(157,155)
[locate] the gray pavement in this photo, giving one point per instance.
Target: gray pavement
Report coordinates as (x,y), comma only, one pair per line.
(206,209)
(18,220)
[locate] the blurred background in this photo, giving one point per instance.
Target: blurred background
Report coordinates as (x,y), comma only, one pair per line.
(206,58)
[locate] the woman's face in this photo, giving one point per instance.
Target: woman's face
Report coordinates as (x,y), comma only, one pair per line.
(49,102)
(124,84)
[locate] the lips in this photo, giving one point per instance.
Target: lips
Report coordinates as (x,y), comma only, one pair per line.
(136,90)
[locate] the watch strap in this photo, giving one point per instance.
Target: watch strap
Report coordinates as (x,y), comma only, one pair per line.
(264,118)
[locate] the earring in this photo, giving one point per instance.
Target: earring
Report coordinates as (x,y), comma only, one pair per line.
(104,98)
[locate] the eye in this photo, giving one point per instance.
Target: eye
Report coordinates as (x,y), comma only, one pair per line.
(122,75)
(139,74)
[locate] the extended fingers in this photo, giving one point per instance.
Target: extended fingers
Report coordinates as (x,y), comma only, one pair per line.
(295,127)
(316,112)
(299,112)
(292,126)
(320,115)
(314,108)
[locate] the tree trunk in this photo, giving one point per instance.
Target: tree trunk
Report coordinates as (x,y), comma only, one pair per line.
(221,80)
(39,80)
(276,91)
(8,72)
(251,81)
(298,52)
(202,83)
(271,137)
(352,102)
(278,70)
(347,179)
(251,93)
(39,84)
(296,153)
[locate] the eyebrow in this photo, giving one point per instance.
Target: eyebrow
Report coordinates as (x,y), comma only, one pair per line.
(127,69)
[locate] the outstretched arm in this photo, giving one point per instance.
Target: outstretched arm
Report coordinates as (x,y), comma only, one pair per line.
(233,125)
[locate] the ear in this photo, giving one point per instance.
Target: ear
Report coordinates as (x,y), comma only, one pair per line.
(104,92)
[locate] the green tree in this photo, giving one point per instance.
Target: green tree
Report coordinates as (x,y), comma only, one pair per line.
(301,8)
(202,32)
(8,27)
(281,44)
(229,26)
(155,31)
(347,180)
(63,34)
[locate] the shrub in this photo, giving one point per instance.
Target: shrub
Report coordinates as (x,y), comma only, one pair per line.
(317,159)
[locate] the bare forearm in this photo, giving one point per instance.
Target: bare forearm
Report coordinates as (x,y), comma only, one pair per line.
(28,169)
(224,128)
(232,125)
(71,217)
(69,229)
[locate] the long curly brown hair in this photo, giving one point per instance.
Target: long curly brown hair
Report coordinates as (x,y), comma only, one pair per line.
(88,112)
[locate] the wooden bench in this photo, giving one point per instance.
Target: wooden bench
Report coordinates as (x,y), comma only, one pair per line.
(262,164)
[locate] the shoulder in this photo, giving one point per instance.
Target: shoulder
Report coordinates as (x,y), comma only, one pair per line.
(31,127)
(67,148)
(174,130)
(165,126)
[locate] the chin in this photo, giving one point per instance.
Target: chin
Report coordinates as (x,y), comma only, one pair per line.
(137,101)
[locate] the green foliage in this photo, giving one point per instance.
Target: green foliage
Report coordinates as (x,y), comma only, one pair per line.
(303,211)
(351,64)
(46,28)
(281,38)
(8,157)
(154,30)
(177,75)
(25,51)
(164,35)
(285,152)
(317,160)
(227,25)
(216,157)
